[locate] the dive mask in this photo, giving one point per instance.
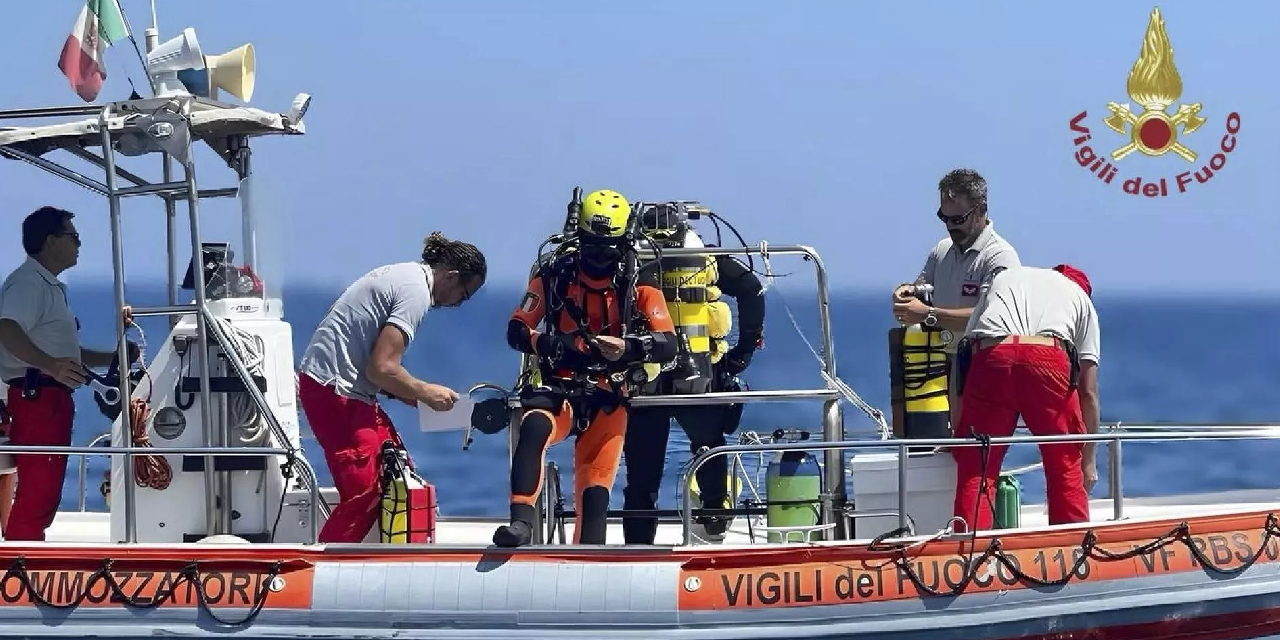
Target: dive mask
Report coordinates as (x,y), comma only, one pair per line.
(600,260)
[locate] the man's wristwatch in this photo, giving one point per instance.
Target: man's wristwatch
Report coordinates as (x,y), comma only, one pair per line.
(931,319)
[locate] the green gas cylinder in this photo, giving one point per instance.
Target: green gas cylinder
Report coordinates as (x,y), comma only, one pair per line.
(793,488)
(1008,502)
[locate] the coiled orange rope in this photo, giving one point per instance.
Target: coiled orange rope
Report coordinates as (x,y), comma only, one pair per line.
(149,470)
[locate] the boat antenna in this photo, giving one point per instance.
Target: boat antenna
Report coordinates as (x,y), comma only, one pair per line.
(152,32)
(152,39)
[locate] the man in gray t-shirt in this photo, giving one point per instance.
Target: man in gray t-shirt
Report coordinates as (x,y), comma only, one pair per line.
(355,354)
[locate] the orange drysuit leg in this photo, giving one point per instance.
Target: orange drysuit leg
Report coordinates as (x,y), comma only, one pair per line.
(596,457)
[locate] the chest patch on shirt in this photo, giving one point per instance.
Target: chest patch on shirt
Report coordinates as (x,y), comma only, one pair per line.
(970,289)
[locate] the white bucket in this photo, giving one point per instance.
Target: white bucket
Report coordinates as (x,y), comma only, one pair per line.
(6,459)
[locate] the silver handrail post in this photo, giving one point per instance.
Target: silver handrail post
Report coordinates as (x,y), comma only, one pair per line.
(122,345)
(211,437)
(1117,492)
(832,420)
(255,394)
(902,483)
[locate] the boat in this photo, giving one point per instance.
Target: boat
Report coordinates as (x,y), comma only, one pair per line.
(212,521)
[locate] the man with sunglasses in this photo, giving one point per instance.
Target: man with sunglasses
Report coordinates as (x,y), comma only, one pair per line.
(960,267)
(355,354)
(42,362)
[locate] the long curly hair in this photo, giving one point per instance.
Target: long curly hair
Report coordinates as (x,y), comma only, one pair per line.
(465,258)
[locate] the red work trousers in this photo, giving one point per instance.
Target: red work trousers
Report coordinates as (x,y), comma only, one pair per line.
(351,433)
(41,421)
(1004,381)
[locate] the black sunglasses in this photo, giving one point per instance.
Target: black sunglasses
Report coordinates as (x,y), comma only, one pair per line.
(74,235)
(956,219)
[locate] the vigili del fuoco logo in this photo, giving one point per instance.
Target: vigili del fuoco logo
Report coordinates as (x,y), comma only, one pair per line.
(1155,85)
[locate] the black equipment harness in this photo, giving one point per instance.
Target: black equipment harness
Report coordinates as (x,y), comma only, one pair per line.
(581,390)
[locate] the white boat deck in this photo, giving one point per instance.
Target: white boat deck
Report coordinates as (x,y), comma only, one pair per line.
(90,527)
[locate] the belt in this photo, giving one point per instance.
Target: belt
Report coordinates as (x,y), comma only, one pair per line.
(42,381)
(1050,341)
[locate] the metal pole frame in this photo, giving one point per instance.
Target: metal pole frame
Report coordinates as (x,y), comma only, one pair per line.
(834,494)
(169,191)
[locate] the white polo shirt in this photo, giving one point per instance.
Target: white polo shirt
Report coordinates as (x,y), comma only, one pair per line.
(35,299)
(1030,301)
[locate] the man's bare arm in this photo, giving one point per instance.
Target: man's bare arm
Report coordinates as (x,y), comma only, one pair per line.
(955,319)
(1088,392)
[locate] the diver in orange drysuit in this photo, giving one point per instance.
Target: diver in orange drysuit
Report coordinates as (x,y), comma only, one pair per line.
(587,357)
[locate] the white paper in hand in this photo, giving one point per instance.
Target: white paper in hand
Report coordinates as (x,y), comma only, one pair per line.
(457,418)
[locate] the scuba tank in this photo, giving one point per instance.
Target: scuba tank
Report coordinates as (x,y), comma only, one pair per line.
(918,379)
(1008,502)
(689,287)
(408,502)
(793,487)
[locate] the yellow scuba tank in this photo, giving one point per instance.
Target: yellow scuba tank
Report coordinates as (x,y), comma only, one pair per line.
(918,381)
(408,502)
(720,323)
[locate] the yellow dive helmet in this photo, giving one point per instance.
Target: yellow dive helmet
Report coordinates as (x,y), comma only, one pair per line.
(604,214)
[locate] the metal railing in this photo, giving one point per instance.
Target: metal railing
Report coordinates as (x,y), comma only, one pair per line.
(170,190)
(1118,433)
(832,419)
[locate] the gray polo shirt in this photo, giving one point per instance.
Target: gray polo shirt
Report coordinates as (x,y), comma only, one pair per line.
(958,278)
(35,299)
(1030,301)
(340,349)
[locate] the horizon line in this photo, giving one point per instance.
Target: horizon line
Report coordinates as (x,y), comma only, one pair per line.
(859,289)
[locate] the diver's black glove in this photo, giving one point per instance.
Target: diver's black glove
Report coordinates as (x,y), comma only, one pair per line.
(737,360)
(557,347)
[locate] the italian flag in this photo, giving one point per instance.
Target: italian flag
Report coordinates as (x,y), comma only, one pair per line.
(99,26)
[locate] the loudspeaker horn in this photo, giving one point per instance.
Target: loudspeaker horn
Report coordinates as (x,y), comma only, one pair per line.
(233,71)
(177,53)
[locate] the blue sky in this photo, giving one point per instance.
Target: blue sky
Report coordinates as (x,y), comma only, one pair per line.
(819,122)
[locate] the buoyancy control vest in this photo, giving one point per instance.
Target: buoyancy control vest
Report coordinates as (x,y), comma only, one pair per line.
(689,287)
(571,307)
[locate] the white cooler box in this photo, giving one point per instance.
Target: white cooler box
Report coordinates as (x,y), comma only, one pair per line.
(931,490)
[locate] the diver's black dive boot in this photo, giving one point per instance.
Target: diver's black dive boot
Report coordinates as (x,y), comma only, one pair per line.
(520,532)
(516,534)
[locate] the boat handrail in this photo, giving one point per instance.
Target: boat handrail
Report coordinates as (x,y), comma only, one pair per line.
(721,397)
(832,419)
(1114,435)
(306,472)
(82,450)
(733,397)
